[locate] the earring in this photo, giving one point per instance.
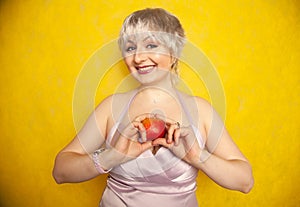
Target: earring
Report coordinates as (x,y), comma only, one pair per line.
(174,64)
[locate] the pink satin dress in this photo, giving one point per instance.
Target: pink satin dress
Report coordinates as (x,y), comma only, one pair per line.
(151,180)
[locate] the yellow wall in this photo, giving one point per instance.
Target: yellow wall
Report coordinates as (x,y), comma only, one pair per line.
(44,45)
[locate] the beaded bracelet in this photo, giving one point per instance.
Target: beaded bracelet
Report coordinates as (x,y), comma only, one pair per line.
(96,161)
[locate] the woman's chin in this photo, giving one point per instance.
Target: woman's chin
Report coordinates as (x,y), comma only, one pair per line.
(155,77)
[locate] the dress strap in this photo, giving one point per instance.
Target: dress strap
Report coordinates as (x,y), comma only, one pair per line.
(195,129)
(122,115)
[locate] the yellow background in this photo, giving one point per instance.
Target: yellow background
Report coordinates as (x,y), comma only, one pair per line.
(44,45)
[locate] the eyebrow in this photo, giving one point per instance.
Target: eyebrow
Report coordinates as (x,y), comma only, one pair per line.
(130,41)
(145,39)
(150,36)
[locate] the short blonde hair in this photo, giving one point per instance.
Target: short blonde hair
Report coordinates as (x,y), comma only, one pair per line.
(155,20)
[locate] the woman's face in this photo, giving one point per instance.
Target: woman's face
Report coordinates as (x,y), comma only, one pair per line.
(148,60)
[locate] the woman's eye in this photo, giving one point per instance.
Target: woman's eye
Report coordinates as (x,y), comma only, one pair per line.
(129,49)
(151,46)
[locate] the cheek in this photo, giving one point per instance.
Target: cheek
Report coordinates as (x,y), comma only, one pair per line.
(128,61)
(164,60)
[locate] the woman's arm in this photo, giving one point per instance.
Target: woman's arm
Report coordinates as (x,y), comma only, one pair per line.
(234,174)
(74,162)
(72,166)
(222,160)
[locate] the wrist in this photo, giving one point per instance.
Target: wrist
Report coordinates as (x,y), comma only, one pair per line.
(110,158)
(98,161)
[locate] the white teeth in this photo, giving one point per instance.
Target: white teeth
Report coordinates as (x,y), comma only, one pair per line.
(145,68)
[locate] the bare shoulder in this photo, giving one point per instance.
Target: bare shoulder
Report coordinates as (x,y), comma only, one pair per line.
(113,98)
(112,105)
(203,103)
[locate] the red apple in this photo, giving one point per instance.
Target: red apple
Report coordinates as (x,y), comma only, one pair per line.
(155,128)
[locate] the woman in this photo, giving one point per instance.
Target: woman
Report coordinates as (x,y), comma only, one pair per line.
(114,140)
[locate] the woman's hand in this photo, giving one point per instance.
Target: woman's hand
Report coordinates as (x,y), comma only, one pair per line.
(126,145)
(182,142)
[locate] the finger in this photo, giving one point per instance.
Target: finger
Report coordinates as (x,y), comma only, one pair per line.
(163,142)
(141,117)
(176,125)
(130,132)
(140,127)
(177,136)
(147,145)
(170,135)
(171,131)
(188,134)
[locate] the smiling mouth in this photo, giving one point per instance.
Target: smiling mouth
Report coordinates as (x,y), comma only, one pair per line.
(145,69)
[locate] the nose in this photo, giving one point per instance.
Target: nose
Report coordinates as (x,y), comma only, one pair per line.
(139,56)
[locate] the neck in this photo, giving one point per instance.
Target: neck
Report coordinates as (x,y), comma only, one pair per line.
(165,84)
(157,94)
